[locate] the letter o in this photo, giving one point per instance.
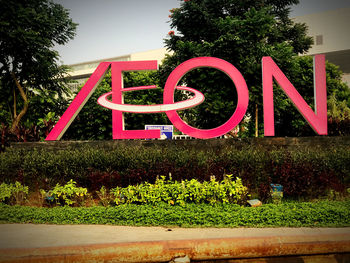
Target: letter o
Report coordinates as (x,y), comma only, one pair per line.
(231,71)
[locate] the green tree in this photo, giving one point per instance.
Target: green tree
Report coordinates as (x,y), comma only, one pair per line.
(29,66)
(338,117)
(94,122)
(240,32)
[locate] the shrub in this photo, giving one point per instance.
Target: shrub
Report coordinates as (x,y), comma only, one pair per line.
(104,196)
(304,172)
(5,192)
(13,193)
(22,133)
(68,194)
(186,191)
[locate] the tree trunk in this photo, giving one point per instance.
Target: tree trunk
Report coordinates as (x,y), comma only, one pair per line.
(14,104)
(256,121)
(17,118)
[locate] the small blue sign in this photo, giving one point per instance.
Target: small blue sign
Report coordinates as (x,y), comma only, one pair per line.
(166,131)
(276,188)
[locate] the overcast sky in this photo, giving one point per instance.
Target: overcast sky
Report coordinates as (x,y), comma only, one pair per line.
(110,28)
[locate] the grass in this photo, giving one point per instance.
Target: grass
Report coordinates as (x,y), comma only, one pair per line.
(286,214)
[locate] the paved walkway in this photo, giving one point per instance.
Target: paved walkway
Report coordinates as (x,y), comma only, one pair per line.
(32,236)
(21,242)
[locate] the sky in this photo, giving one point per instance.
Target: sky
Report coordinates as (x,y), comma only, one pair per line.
(111,28)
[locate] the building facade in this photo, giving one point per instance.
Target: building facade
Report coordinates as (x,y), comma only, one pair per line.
(331,37)
(80,72)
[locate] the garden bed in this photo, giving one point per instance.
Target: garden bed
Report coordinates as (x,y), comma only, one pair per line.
(197,183)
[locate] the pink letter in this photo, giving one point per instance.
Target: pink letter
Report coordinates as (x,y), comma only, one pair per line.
(117,97)
(318,119)
(118,130)
(231,71)
(78,103)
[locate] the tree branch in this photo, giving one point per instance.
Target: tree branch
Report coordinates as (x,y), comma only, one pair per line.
(18,118)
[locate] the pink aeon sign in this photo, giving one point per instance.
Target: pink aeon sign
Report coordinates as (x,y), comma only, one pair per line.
(317,120)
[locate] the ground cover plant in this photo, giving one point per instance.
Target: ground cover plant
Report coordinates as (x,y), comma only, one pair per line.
(289,214)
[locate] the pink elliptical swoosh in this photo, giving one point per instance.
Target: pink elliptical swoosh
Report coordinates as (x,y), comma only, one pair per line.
(196,100)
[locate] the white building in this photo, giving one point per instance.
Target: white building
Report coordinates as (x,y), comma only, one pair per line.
(331,37)
(329,30)
(82,71)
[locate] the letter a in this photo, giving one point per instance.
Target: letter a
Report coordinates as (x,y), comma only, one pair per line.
(317,119)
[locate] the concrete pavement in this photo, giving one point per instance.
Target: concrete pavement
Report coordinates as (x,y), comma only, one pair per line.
(32,236)
(103,243)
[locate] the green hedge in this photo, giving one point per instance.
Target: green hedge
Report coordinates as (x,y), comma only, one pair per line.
(303,171)
(291,214)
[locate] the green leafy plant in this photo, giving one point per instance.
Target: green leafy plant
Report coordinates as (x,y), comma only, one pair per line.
(286,214)
(5,192)
(19,193)
(276,197)
(226,191)
(104,196)
(68,194)
(13,193)
(338,196)
(338,116)
(186,191)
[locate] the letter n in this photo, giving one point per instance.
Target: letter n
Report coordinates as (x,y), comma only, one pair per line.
(317,119)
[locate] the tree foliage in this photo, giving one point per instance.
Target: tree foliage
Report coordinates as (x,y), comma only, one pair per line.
(29,66)
(240,32)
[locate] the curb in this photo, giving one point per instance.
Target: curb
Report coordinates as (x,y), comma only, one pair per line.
(199,249)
